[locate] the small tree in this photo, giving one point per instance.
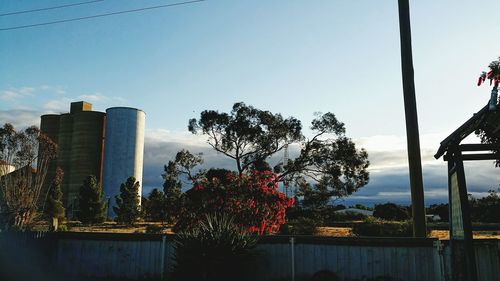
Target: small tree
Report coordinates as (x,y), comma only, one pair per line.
(154,206)
(54,208)
(21,189)
(91,204)
(391,212)
(486,209)
(171,192)
(127,203)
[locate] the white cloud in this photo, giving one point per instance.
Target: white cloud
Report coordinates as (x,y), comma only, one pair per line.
(16,93)
(389,151)
(100,98)
(20,118)
(381,143)
(53,89)
(52,99)
(57,106)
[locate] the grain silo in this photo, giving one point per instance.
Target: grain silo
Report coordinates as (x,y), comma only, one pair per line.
(80,139)
(49,126)
(64,158)
(123,150)
(86,150)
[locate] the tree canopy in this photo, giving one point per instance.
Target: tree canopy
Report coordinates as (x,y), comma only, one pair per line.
(328,161)
(91,205)
(21,189)
(54,206)
(247,134)
(127,203)
(153,206)
(391,211)
(172,186)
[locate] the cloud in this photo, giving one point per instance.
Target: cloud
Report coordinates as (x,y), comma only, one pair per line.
(57,105)
(20,118)
(59,90)
(161,146)
(100,98)
(52,99)
(389,179)
(16,93)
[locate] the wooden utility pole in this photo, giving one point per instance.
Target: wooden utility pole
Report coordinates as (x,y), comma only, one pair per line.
(412,136)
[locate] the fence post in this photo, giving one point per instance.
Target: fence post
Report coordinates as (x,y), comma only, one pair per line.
(162,258)
(438,261)
(292,248)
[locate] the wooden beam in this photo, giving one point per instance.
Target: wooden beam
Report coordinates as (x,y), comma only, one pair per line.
(479,147)
(470,157)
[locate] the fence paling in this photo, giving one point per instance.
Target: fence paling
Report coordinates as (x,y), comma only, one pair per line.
(139,256)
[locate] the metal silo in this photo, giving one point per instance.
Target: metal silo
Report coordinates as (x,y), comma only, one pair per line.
(123,150)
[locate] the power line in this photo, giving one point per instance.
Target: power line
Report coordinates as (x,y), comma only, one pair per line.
(102,15)
(49,8)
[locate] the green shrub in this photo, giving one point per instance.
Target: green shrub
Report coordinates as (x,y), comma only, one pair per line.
(347,216)
(301,226)
(381,228)
(62,228)
(215,249)
(391,211)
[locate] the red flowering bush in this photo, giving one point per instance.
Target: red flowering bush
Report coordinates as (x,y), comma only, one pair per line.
(493,75)
(252,198)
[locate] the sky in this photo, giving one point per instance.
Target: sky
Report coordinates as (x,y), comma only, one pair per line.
(288,56)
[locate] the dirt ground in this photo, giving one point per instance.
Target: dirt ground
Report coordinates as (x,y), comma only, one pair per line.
(441,234)
(113,227)
(322,231)
(445,234)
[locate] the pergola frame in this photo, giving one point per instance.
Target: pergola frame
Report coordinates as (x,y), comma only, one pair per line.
(463,262)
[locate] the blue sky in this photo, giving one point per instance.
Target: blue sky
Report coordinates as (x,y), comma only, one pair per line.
(292,57)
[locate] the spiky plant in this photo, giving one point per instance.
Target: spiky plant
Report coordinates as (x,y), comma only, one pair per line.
(214,249)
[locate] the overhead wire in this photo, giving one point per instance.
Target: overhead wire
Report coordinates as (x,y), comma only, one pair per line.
(49,8)
(102,15)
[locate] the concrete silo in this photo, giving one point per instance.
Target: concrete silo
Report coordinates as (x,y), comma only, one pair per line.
(49,125)
(123,150)
(79,135)
(64,157)
(86,150)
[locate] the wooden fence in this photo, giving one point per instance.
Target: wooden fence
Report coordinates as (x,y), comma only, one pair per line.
(136,256)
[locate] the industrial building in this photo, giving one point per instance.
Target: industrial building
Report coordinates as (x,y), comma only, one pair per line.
(81,137)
